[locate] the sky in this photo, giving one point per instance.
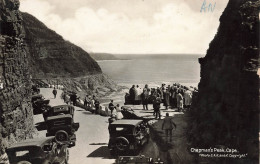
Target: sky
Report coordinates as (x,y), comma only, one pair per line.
(131,26)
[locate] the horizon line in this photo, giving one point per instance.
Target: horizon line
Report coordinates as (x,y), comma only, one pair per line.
(147,53)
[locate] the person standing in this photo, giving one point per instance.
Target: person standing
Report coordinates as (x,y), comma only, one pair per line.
(167,98)
(157,106)
(132,94)
(111,107)
(54,92)
(187,98)
(73,98)
(139,92)
(119,114)
(163,93)
(97,104)
(168,125)
(145,97)
(136,95)
(86,101)
(179,101)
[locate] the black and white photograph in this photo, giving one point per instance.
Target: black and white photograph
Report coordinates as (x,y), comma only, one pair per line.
(129,82)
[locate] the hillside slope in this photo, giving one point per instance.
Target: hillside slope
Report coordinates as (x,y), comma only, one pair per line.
(103,56)
(51,56)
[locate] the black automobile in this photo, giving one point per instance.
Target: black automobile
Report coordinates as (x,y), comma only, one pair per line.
(38,151)
(127,136)
(60,123)
(39,103)
(59,110)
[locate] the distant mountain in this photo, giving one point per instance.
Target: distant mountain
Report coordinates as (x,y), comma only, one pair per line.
(51,56)
(103,56)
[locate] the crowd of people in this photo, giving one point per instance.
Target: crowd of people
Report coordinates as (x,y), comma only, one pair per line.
(175,96)
(90,102)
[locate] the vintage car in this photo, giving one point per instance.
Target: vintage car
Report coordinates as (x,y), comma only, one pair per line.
(39,103)
(59,110)
(60,123)
(137,159)
(127,136)
(38,151)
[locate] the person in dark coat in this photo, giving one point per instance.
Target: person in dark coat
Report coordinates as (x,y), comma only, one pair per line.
(145,96)
(157,106)
(132,92)
(111,107)
(73,98)
(168,125)
(97,104)
(54,92)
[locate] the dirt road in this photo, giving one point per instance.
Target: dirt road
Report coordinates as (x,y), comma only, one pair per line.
(92,136)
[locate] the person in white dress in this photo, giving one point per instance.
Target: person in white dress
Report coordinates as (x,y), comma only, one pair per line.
(119,114)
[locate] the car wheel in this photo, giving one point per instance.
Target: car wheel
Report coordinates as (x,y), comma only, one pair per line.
(61,135)
(122,143)
(24,162)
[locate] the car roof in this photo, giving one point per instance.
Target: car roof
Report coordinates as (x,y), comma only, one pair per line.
(32,142)
(127,122)
(59,116)
(62,108)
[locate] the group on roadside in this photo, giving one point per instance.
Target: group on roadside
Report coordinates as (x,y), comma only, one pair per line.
(115,110)
(92,102)
(175,96)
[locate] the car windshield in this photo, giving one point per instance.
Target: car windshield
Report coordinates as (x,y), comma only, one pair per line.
(25,152)
(22,153)
(122,130)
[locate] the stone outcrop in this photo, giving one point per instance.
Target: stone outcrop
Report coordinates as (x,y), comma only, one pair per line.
(15,85)
(51,56)
(227,106)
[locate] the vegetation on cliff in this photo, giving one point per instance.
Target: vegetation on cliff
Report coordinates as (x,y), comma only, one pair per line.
(15,105)
(51,56)
(226,110)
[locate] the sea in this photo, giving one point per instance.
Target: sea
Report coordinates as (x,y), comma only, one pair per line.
(153,69)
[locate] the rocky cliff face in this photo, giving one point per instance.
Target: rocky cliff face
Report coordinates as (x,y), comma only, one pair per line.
(226,111)
(51,56)
(15,85)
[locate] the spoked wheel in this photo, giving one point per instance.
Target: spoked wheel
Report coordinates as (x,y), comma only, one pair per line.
(122,143)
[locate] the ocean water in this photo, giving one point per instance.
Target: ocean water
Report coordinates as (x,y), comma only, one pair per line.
(153,70)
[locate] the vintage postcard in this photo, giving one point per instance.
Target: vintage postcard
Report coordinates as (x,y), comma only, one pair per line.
(129,81)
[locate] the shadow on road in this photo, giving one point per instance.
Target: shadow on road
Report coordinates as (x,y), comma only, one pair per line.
(87,113)
(102,152)
(98,144)
(146,112)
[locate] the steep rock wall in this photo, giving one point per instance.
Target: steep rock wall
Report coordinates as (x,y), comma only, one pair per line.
(15,85)
(226,110)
